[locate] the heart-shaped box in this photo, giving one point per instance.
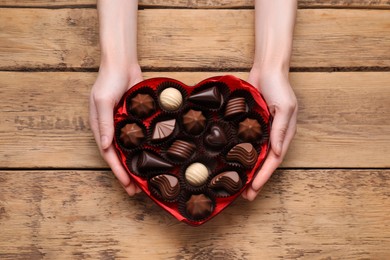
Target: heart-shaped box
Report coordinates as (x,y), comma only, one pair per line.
(192,149)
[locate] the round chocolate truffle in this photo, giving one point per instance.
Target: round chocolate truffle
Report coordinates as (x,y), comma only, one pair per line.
(194,122)
(131,135)
(196,174)
(199,206)
(171,99)
(142,105)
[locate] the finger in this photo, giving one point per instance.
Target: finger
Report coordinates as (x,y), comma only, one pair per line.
(138,189)
(112,159)
(251,194)
(93,121)
(273,160)
(270,165)
(106,122)
(279,129)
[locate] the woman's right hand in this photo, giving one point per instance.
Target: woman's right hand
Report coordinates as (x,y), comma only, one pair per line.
(110,85)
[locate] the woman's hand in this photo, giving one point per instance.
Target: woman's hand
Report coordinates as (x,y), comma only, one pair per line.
(282,103)
(108,89)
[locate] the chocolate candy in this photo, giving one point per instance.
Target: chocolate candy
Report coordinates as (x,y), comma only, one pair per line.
(199,206)
(243,153)
(196,174)
(171,99)
(150,161)
(235,106)
(215,137)
(226,183)
(167,185)
(181,150)
(131,135)
(163,129)
(249,130)
(210,97)
(142,105)
(194,122)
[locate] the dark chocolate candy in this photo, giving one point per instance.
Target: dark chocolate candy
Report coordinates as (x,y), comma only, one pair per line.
(194,122)
(199,206)
(235,106)
(243,153)
(181,150)
(142,105)
(226,183)
(150,161)
(167,185)
(131,135)
(249,130)
(163,129)
(215,137)
(210,97)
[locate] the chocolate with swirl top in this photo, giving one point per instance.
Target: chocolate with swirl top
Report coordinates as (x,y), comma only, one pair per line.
(243,153)
(226,183)
(167,185)
(199,206)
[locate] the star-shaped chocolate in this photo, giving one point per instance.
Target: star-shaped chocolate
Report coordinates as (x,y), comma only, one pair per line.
(194,121)
(249,130)
(142,105)
(131,135)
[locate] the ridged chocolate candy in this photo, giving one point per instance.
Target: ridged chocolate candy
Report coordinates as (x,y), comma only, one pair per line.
(171,99)
(215,137)
(194,122)
(199,206)
(150,161)
(226,183)
(142,105)
(243,153)
(249,130)
(163,129)
(131,135)
(181,150)
(210,97)
(167,185)
(235,106)
(196,174)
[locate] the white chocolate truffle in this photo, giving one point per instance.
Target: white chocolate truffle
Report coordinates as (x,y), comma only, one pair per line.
(196,174)
(171,99)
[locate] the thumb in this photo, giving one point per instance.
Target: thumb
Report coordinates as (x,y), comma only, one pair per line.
(106,122)
(279,130)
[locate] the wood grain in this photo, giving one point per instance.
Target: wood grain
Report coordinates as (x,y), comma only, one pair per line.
(204,3)
(194,39)
(310,214)
(343,119)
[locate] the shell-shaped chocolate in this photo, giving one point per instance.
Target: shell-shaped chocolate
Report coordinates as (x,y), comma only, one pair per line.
(235,106)
(181,150)
(226,182)
(196,174)
(243,153)
(167,185)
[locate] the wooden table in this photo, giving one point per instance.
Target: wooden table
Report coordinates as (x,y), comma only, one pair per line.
(329,200)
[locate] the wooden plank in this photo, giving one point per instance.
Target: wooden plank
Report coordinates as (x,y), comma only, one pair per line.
(343,119)
(194,39)
(300,214)
(203,3)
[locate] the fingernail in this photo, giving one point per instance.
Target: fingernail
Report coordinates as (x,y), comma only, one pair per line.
(104,141)
(279,148)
